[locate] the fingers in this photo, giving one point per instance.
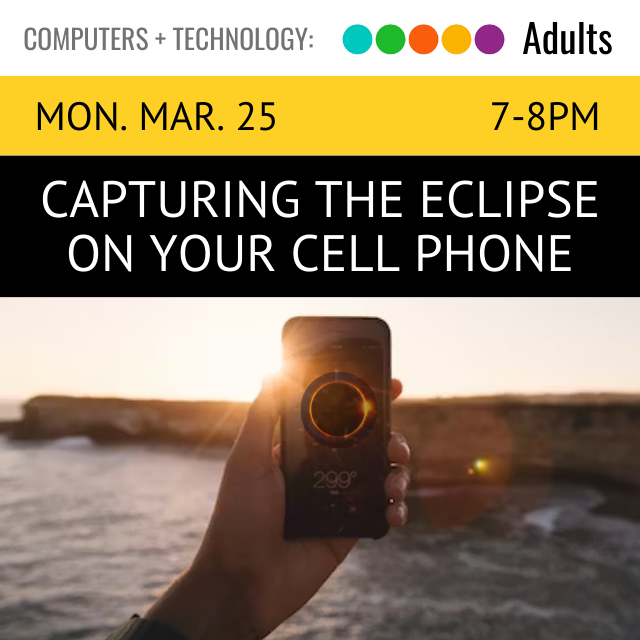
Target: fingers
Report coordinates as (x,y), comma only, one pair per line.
(396,389)
(397,514)
(397,482)
(398,450)
(255,440)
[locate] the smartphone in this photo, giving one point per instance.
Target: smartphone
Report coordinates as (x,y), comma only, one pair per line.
(335,425)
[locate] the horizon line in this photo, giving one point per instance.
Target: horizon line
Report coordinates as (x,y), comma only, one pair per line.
(503,394)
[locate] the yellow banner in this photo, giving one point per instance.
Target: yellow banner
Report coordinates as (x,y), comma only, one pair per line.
(319,115)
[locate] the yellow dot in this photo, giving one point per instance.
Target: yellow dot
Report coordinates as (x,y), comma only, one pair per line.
(456,39)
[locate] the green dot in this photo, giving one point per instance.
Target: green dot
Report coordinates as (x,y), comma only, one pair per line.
(390,39)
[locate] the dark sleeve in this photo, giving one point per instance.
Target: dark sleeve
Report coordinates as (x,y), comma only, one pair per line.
(137,628)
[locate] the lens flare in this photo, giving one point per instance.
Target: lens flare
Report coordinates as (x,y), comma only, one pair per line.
(469,460)
(480,465)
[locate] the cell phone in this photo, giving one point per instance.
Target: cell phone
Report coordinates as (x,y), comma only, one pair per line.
(335,426)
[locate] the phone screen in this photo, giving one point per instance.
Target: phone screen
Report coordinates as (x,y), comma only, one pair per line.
(334,429)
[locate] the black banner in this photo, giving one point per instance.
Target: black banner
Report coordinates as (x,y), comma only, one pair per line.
(559,226)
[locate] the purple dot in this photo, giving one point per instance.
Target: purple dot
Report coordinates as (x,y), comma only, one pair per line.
(489,39)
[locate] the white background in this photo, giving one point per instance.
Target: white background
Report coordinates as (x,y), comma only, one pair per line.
(327,21)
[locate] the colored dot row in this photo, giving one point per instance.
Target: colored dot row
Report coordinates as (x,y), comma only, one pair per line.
(423,39)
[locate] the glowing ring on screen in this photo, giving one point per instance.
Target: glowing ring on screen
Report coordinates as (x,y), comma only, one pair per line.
(366,424)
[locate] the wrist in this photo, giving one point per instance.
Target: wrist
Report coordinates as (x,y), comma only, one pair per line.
(203,605)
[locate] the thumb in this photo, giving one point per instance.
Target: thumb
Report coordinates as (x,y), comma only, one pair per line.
(254,443)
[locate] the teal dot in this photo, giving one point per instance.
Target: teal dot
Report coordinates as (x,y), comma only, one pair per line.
(390,39)
(357,39)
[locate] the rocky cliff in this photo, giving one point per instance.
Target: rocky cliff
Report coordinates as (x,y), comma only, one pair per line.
(490,439)
(117,420)
(502,437)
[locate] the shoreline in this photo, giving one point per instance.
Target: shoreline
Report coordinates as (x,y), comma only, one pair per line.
(620,499)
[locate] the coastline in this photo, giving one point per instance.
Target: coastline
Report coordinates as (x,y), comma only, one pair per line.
(585,438)
(619,499)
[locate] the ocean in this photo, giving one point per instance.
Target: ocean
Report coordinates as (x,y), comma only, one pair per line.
(90,535)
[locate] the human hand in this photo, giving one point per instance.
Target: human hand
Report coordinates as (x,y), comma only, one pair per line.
(246,578)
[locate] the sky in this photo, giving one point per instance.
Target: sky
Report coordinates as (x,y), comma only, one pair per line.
(221,348)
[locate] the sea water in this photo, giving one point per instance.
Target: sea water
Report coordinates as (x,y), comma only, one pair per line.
(89,535)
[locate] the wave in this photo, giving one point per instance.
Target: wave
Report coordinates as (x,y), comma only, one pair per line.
(72,442)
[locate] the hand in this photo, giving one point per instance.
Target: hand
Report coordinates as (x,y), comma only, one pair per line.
(246,578)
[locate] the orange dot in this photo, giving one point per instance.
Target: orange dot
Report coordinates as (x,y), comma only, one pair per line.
(423,39)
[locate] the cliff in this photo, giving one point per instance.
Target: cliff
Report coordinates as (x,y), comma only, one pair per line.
(453,440)
(591,436)
(120,420)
